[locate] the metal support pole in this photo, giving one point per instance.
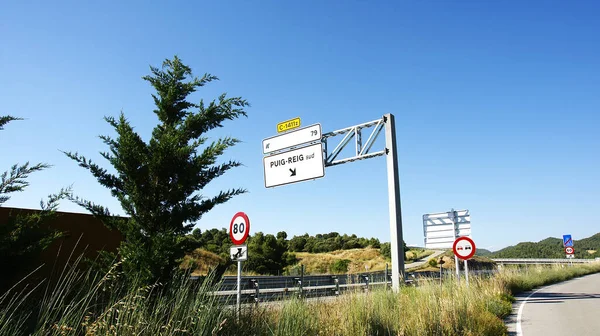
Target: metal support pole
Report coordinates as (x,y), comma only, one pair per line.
(336,281)
(467,273)
(239,288)
(301,293)
(455,257)
(385,279)
(395,212)
(457,268)
(257,292)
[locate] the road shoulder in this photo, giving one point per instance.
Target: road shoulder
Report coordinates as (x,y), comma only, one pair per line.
(513,321)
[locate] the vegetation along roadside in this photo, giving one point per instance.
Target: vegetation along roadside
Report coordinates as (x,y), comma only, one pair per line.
(85,303)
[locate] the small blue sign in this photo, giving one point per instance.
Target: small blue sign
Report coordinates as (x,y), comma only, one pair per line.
(567,241)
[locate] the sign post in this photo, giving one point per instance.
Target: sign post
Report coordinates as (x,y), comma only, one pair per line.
(239,229)
(464,249)
(441,262)
(568,245)
(395,213)
(292,139)
(297,165)
(442,229)
(303,154)
(453,219)
(570,252)
(466,272)
(567,241)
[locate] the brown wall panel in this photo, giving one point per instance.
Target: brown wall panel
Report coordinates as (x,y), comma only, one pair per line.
(83,234)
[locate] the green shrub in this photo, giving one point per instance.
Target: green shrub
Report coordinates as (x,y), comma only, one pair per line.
(500,306)
(340,266)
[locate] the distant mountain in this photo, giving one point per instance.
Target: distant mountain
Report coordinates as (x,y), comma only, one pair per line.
(587,248)
(590,243)
(482,252)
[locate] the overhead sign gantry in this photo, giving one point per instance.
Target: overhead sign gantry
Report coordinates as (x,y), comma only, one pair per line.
(303,154)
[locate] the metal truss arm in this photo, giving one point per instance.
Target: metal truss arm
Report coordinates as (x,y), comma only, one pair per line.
(362,151)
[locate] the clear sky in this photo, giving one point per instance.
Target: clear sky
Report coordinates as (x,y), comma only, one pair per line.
(496,104)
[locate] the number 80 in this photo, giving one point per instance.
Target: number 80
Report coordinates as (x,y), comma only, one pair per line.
(235,228)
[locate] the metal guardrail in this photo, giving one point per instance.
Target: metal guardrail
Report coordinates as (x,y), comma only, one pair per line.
(524,261)
(257,289)
(271,288)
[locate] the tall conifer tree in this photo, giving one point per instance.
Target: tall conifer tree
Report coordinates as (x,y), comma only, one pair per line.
(157,183)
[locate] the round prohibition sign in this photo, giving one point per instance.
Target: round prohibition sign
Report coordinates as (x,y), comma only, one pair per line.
(239,228)
(569,250)
(464,248)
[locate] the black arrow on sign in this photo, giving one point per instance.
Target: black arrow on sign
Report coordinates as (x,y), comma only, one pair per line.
(293,171)
(238,254)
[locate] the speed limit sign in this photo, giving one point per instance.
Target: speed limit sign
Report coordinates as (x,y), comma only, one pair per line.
(569,250)
(239,228)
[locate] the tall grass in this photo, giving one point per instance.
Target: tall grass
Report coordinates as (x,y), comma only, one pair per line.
(520,279)
(431,309)
(85,303)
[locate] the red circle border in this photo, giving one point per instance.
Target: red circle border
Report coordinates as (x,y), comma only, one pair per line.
(470,254)
(245,217)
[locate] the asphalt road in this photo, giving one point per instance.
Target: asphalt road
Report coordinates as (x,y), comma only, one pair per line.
(567,308)
(421,262)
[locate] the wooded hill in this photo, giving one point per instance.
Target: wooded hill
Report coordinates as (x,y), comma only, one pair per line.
(586,248)
(272,254)
(483,252)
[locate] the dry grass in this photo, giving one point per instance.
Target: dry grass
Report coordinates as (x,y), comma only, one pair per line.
(476,262)
(520,279)
(201,262)
(416,254)
(360,259)
(316,263)
(426,310)
(430,309)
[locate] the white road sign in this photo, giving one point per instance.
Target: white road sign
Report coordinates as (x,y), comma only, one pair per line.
(239,252)
(464,248)
(239,228)
(291,139)
(294,166)
(441,229)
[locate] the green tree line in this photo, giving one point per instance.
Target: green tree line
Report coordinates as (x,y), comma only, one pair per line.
(586,248)
(271,254)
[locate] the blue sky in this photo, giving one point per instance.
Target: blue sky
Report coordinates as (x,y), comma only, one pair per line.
(496,104)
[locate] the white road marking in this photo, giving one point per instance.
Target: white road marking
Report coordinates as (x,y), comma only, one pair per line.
(520,313)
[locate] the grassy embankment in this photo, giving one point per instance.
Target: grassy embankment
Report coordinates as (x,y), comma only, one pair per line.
(359,260)
(476,262)
(83,305)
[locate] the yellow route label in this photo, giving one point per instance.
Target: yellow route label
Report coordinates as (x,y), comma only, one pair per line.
(288,125)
